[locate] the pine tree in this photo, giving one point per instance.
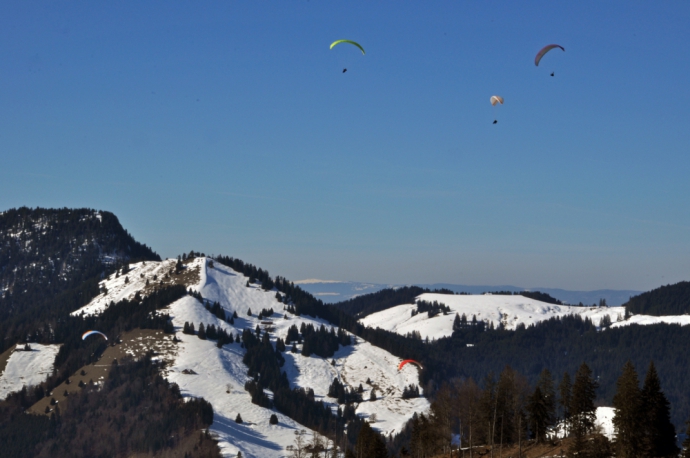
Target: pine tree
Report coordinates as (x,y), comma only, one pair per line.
(467,402)
(545,384)
(660,434)
(487,410)
(506,406)
(238,418)
(443,417)
(538,415)
(627,420)
(582,410)
(456,322)
(370,444)
(541,406)
(565,394)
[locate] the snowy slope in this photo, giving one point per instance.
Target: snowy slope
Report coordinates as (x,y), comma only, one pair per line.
(216,371)
(682,320)
(126,286)
(354,364)
(27,368)
(511,310)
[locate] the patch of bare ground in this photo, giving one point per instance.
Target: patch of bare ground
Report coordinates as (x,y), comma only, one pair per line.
(189,275)
(4,357)
(136,343)
(530,449)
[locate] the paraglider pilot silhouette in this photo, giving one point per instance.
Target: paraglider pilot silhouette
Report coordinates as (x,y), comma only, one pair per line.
(337,42)
(496,99)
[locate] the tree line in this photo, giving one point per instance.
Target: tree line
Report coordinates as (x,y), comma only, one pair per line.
(508,410)
(665,300)
(431,308)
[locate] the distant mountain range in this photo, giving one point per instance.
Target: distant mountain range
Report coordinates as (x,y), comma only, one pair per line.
(331,291)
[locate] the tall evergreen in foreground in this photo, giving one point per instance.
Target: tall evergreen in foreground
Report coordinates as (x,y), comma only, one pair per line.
(541,406)
(628,421)
(536,408)
(370,444)
(565,389)
(582,410)
(660,435)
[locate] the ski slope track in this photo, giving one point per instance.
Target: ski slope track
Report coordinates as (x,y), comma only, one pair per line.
(509,310)
(27,368)
(218,374)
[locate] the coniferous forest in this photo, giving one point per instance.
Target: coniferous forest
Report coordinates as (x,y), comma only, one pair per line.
(665,300)
(504,411)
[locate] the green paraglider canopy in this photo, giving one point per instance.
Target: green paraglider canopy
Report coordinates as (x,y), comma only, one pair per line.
(337,42)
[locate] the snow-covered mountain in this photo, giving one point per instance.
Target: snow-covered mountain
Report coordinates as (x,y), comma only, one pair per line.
(201,369)
(509,310)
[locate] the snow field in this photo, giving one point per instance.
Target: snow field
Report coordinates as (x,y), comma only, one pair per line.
(510,310)
(222,284)
(27,368)
(218,371)
(354,364)
(646,320)
(119,290)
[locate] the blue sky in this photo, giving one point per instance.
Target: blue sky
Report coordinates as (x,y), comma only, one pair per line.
(229,127)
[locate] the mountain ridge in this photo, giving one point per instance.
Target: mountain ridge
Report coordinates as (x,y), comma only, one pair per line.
(333,291)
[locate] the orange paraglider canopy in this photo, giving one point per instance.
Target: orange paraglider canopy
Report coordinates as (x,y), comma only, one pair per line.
(409,361)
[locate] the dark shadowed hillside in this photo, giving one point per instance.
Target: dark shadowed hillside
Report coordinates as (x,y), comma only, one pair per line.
(375,302)
(665,300)
(51,261)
